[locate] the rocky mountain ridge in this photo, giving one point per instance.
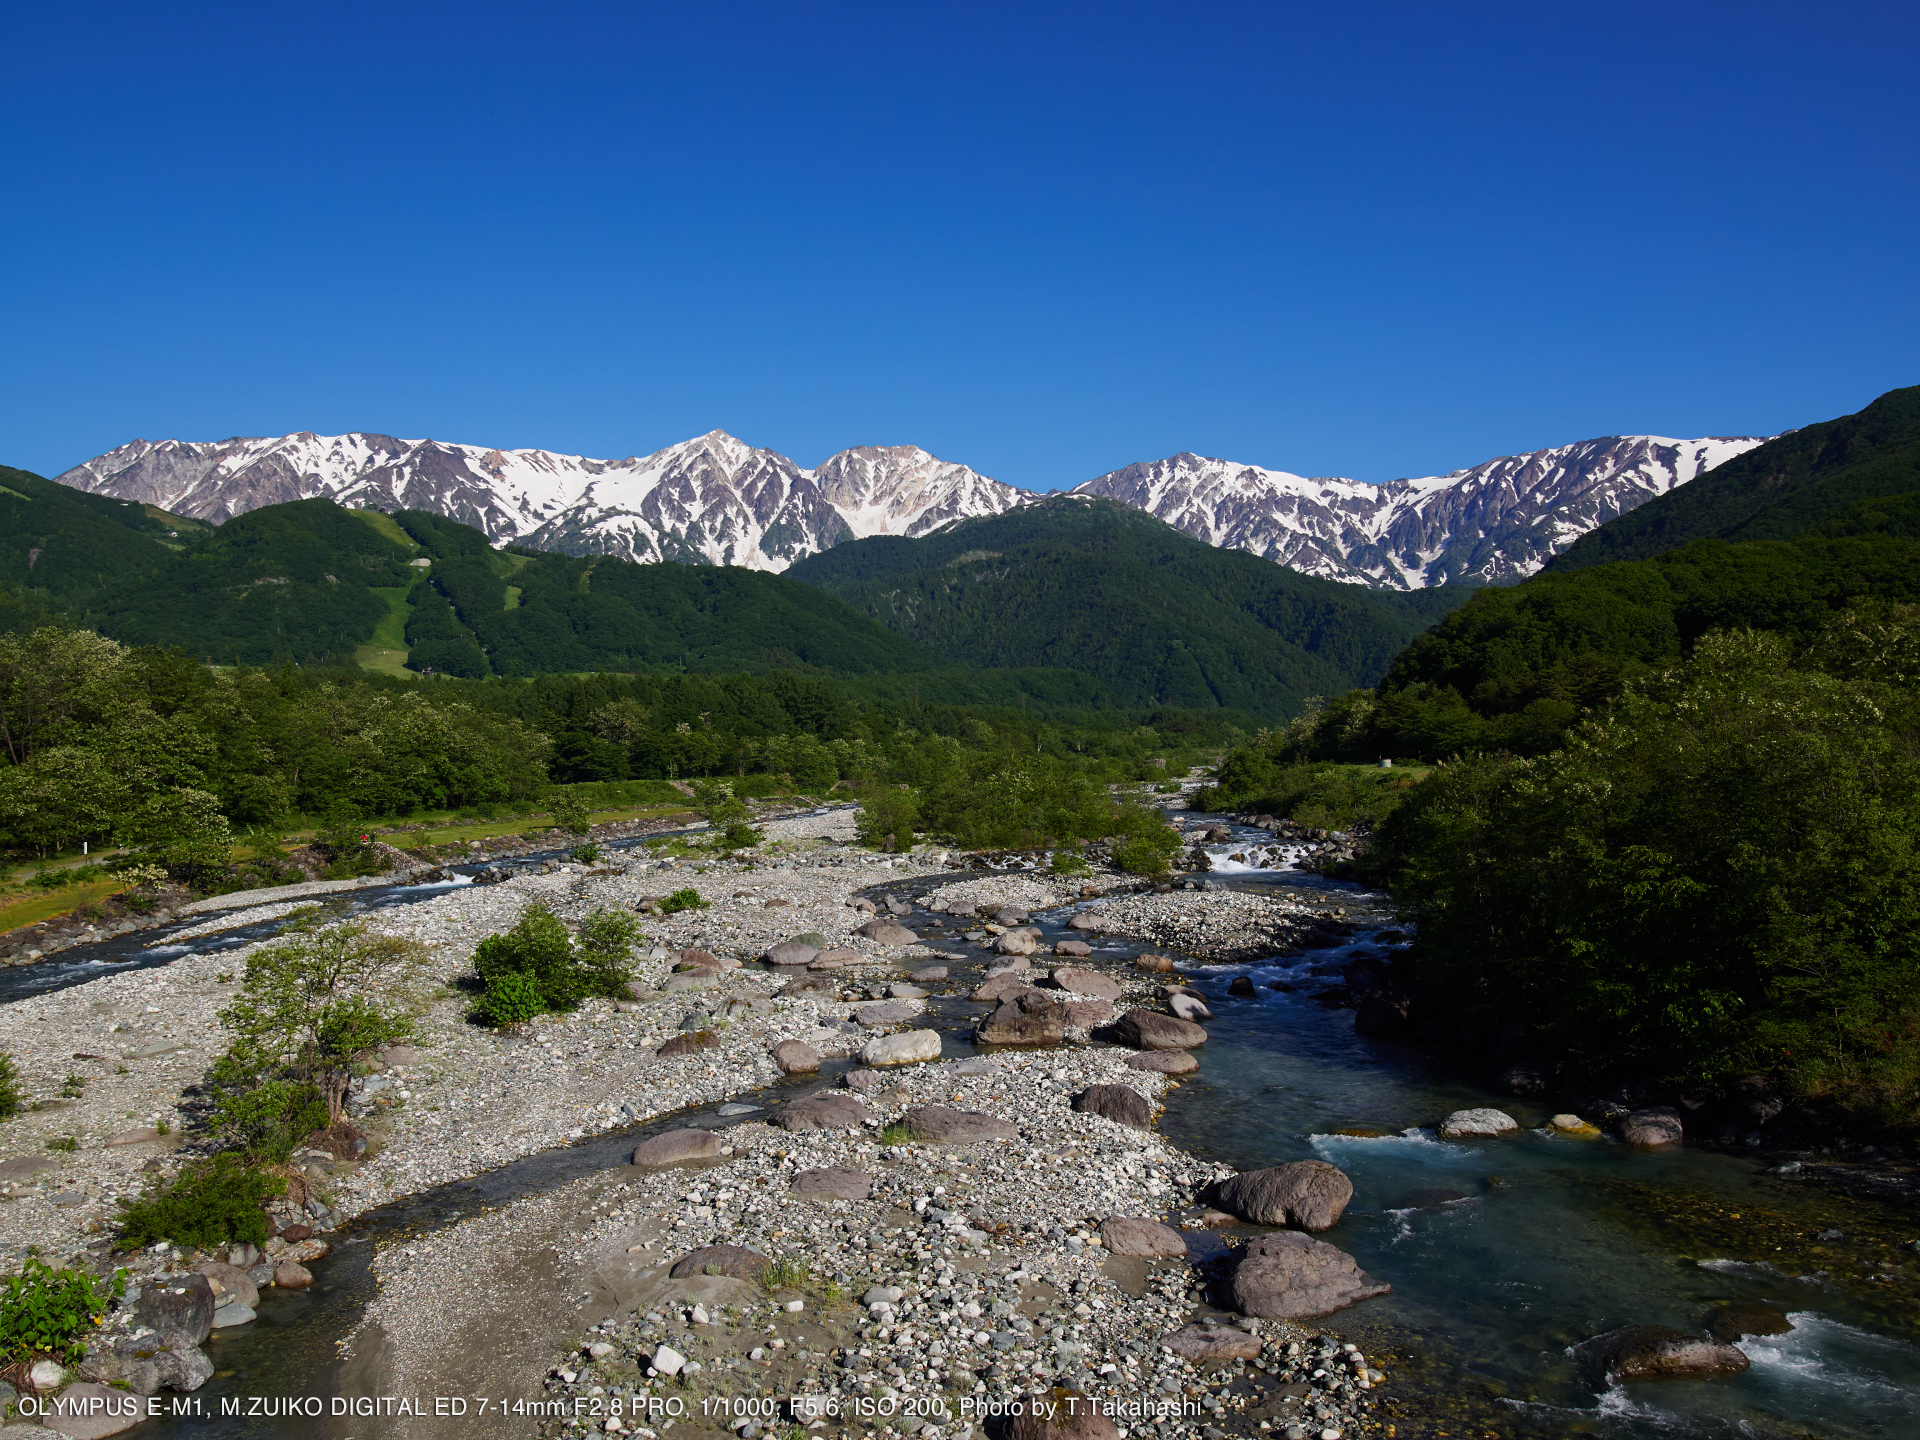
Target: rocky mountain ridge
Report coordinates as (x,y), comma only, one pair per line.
(717,500)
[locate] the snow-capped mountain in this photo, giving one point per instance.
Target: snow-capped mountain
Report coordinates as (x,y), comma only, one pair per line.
(1493,523)
(718,500)
(713,499)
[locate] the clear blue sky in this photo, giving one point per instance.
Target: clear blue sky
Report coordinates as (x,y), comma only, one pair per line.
(1046,240)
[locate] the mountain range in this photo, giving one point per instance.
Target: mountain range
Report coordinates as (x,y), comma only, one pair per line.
(717,500)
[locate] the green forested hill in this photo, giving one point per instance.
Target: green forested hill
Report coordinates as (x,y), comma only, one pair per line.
(1774,492)
(1159,617)
(64,546)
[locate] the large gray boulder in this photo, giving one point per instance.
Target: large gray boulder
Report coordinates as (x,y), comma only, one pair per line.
(677,1147)
(732,1260)
(184,1303)
(1648,1352)
(1150,1030)
(889,932)
(1477,1124)
(1004,986)
(1082,981)
(1087,923)
(1029,1018)
(1290,1276)
(908,1047)
(231,1285)
(1120,1103)
(1653,1128)
(1127,1235)
(1163,1062)
(796,1057)
(1187,1006)
(1310,1194)
(792,952)
(86,1411)
(942,1125)
(829,1110)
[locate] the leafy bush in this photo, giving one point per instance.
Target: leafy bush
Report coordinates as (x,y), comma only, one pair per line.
(347,845)
(10,1098)
(311,1007)
(887,816)
(511,999)
(585,854)
(740,836)
(46,1312)
(538,957)
(687,899)
(1070,861)
(569,812)
(1012,797)
(221,1200)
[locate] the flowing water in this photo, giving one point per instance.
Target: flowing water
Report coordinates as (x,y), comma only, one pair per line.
(1543,1242)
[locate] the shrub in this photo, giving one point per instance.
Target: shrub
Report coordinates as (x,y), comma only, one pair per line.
(1146,844)
(569,812)
(44,1311)
(1069,861)
(10,1099)
(221,1200)
(585,854)
(511,999)
(887,816)
(740,836)
(347,845)
(687,899)
(607,938)
(67,1143)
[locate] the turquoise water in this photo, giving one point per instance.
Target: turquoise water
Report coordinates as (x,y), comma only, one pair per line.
(1556,1239)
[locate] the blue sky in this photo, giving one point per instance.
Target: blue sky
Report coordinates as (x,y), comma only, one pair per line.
(1046,240)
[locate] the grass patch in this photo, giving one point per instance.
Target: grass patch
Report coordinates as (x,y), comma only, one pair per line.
(63,902)
(896,1134)
(789,1272)
(386,653)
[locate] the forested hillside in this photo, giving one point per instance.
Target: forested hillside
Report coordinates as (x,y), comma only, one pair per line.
(1782,489)
(1154,615)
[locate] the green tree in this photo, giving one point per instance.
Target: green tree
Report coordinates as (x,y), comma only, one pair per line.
(887,816)
(312,1007)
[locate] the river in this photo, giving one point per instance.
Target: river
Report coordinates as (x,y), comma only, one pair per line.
(1549,1240)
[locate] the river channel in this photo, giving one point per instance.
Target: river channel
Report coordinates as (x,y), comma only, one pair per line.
(1541,1242)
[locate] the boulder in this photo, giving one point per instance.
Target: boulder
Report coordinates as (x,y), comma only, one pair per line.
(1017,942)
(929,974)
(829,1110)
(1201,1343)
(796,1057)
(1061,1414)
(897,906)
(702,960)
(1384,1012)
(1290,1276)
(889,932)
(865,1082)
(688,980)
(885,1012)
(1730,1323)
(1150,1030)
(1158,964)
(1310,1194)
(1650,1129)
(1475,1124)
(1086,1014)
(791,952)
(1125,1235)
(901,990)
(233,1314)
(687,1044)
(229,1283)
(1010,915)
(1242,988)
(908,1047)
(88,1411)
(1029,1018)
(1087,922)
(833,1182)
(666,1360)
(289,1275)
(1163,1062)
(184,1303)
(1082,981)
(732,1260)
(677,1147)
(1186,1006)
(1120,1103)
(25,1167)
(835,959)
(1073,949)
(941,1125)
(1573,1125)
(1648,1352)
(1002,986)
(131,1137)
